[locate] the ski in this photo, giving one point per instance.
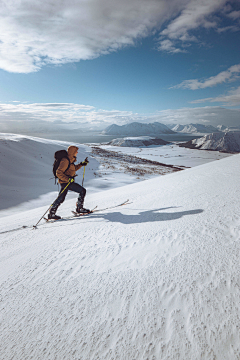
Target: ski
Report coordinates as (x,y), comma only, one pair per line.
(98,210)
(95,209)
(65,218)
(76,214)
(114,206)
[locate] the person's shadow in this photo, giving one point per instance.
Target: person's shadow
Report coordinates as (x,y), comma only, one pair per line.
(147,216)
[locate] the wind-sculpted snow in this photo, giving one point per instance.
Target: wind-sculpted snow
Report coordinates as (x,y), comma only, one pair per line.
(156,279)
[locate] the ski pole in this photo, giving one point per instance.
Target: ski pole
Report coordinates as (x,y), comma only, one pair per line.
(70,181)
(84,163)
(83,174)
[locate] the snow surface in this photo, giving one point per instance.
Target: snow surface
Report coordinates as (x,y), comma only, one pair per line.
(170,154)
(155,279)
(140,141)
(26,167)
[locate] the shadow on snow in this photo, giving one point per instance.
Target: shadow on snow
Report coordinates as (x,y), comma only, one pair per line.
(147,216)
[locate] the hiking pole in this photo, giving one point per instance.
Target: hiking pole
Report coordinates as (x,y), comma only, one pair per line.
(83,174)
(69,182)
(86,162)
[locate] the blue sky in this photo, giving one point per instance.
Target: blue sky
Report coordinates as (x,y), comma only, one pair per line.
(102,62)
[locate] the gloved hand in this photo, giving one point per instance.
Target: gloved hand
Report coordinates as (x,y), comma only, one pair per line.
(85,162)
(71,179)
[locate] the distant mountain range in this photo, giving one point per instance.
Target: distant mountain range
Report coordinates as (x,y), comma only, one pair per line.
(138,129)
(137,142)
(200,128)
(225,142)
(156,128)
(194,128)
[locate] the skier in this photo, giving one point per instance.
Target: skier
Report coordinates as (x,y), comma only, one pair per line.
(66,172)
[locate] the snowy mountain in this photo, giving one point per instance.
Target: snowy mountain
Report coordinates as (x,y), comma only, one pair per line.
(194,128)
(222,128)
(138,129)
(137,141)
(155,279)
(229,128)
(226,142)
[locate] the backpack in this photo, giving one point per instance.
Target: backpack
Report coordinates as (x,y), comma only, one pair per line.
(58,156)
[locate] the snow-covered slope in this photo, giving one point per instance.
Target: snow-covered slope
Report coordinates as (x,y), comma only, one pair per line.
(194,128)
(156,279)
(227,142)
(26,167)
(137,129)
(137,142)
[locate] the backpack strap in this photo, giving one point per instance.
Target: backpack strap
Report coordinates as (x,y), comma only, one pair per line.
(69,163)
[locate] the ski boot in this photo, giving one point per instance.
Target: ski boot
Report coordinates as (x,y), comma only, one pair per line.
(81,210)
(52,214)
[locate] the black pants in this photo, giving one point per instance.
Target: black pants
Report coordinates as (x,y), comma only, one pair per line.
(73,187)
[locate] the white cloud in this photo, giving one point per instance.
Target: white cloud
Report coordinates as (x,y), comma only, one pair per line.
(232,28)
(14,115)
(34,33)
(230,99)
(54,118)
(234,14)
(229,75)
(167,45)
(195,14)
(210,115)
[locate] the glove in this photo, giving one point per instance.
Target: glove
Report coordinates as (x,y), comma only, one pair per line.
(85,162)
(71,179)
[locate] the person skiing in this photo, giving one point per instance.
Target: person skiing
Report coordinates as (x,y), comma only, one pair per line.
(66,173)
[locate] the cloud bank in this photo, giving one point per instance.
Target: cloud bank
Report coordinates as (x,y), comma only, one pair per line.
(208,115)
(229,75)
(59,118)
(34,33)
(232,98)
